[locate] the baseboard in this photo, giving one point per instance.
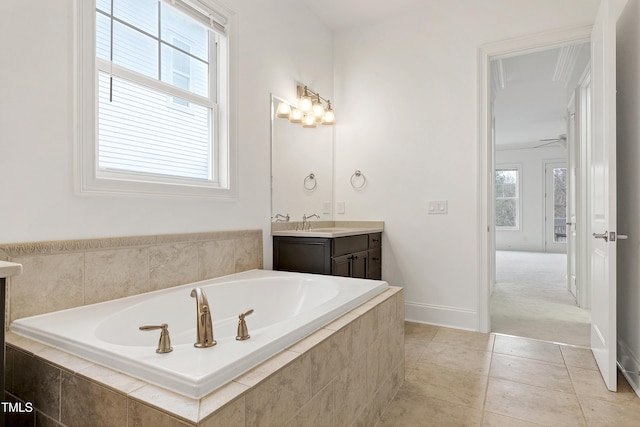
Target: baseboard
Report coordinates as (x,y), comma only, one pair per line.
(629,364)
(450,317)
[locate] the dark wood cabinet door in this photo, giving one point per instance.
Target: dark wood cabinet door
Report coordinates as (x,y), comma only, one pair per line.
(342,266)
(302,254)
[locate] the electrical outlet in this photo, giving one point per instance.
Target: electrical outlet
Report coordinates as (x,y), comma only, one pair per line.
(340,207)
(438,207)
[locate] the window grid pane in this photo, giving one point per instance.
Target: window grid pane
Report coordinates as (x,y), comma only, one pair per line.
(560,204)
(506,185)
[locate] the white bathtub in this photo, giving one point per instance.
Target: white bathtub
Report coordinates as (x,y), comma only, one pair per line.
(287,307)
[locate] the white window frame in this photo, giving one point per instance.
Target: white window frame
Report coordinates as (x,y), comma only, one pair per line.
(89,180)
(518,169)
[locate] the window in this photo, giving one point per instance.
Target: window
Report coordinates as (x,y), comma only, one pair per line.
(162,122)
(508,198)
(560,205)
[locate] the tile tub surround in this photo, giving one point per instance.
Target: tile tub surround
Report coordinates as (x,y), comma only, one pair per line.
(65,274)
(343,374)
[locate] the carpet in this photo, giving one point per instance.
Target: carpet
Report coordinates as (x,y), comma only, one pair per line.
(530,299)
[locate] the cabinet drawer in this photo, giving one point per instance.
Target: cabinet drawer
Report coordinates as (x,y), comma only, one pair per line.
(350,244)
(375,240)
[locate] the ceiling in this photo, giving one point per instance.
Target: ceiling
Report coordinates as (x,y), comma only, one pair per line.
(530,90)
(341,14)
(531,94)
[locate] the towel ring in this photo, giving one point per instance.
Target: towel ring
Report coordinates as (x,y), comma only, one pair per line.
(357,174)
(310,182)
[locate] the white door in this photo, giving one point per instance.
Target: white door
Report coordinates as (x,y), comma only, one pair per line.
(602,197)
(572,198)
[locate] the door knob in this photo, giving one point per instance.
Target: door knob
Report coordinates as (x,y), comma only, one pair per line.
(604,236)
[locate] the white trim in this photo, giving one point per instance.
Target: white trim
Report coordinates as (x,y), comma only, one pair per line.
(440,315)
(486,53)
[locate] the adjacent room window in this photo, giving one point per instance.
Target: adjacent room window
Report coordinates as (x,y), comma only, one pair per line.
(162,113)
(560,205)
(508,198)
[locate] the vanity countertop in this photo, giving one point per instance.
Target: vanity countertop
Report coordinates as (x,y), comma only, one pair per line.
(329,232)
(8,269)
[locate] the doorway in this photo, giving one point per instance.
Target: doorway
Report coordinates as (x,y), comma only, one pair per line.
(533,139)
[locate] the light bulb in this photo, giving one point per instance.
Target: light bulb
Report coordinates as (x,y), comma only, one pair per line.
(309,121)
(329,118)
(305,104)
(295,116)
(283,111)
(318,110)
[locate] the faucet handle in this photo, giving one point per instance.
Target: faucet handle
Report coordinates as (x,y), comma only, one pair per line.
(243,331)
(164,344)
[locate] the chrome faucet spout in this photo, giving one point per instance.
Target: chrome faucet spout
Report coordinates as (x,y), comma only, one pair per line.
(204,326)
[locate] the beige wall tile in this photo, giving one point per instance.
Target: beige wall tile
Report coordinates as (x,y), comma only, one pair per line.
(87,403)
(140,415)
(180,406)
(37,382)
(48,283)
(328,358)
(318,412)
(172,265)
(276,400)
(43,421)
(352,393)
(248,254)
(232,415)
(215,259)
(115,274)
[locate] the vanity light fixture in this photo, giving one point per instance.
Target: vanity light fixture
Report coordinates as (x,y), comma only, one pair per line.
(283,110)
(310,109)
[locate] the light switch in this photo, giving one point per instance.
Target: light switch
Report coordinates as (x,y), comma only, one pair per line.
(438,207)
(326,208)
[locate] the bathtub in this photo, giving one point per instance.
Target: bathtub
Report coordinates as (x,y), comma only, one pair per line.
(287,307)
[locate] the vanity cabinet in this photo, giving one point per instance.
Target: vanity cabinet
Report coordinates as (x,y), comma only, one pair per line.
(351,256)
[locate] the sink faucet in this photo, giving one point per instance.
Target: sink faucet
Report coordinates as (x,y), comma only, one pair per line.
(203,321)
(306,225)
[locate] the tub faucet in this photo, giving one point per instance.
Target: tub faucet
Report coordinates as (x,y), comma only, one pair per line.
(203,322)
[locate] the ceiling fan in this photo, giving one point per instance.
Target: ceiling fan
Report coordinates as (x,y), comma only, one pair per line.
(561,139)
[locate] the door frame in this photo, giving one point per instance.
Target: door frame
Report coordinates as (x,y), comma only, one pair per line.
(485,226)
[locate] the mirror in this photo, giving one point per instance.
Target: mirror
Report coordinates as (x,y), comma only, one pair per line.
(301,168)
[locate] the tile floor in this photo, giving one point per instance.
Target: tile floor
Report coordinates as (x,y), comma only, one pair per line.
(459,378)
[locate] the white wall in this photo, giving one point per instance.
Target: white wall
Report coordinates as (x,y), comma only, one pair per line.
(531,236)
(36,126)
(407,103)
(628,157)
